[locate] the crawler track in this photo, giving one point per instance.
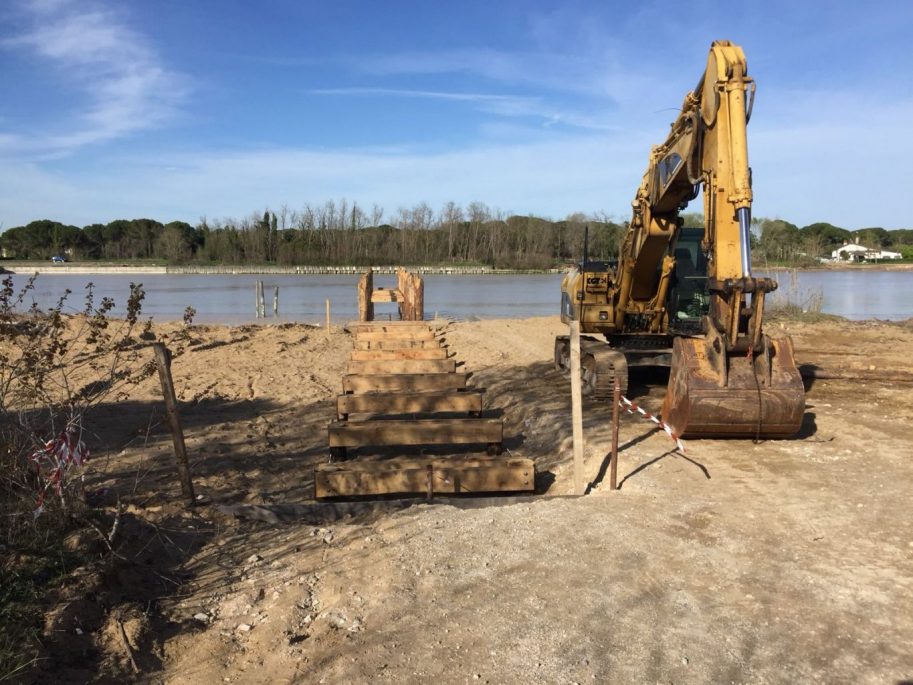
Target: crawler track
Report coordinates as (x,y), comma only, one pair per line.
(599,363)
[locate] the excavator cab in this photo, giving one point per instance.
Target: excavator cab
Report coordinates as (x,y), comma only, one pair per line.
(689,300)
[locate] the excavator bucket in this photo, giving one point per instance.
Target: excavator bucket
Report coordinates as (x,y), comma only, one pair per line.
(712,394)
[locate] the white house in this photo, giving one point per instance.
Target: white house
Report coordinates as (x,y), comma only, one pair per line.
(853,252)
(887,254)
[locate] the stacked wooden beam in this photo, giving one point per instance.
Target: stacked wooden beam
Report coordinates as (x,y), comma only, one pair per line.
(401,388)
(409,295)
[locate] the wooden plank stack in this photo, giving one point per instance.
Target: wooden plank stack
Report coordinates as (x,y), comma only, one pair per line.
(402,389)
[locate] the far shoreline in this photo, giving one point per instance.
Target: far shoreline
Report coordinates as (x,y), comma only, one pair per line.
(84,268)
(88,268)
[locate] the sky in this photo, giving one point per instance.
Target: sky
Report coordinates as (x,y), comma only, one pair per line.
(179,110)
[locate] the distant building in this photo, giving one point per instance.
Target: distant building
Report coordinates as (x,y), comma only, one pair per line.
(853,252)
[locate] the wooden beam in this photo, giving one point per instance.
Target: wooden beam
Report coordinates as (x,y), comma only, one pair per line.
(404,313)
(404,476)
(403,382)
(403,366)
(399,355)
(397,344)
(406,333)
(410,402)
(386,295)
(418,297)
(365,288)
(375,325)
(416,432)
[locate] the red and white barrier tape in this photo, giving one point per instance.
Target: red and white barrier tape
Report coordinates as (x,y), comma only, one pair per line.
(632,407)
(56,457)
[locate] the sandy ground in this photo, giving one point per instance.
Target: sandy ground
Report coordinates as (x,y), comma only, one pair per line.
(784,561)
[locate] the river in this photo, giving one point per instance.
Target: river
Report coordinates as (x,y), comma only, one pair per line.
(229,299)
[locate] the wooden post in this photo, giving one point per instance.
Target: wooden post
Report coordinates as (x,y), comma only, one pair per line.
(262,301)
(257,298)
(328,315)
(163,361)
(276,301)
(402,284)
(613,471)
(409,314)
(418,302)
(365,289)
(577,409)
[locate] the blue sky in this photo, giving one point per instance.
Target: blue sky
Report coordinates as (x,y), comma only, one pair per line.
(178,109)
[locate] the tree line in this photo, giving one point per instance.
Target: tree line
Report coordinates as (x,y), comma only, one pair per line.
(344,233)
(782,241)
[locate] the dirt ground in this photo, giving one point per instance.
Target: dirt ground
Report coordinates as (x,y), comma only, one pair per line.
(784,561)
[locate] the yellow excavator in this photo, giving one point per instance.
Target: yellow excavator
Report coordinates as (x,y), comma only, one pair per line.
(685,297)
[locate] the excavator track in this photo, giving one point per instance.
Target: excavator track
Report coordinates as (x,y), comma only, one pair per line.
(599,366)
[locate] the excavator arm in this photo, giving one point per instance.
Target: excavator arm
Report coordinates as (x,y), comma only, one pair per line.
(707,146)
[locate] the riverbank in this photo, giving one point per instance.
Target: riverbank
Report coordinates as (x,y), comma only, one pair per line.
(227,270)
(91,268)
(838,266)
(805,537)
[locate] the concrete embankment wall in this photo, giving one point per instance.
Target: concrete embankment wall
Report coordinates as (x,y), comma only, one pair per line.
(29,269)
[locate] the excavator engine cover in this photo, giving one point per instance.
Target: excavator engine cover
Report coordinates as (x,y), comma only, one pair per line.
(712,394)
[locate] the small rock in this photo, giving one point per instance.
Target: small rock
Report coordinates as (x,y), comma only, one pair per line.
(337,620)
(253,559)
(78,631)
(328,538)
(203,618)
(244,627)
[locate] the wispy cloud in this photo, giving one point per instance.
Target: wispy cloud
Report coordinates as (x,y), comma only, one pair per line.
(124,83)
(563,72)
(492,103)
(431,94)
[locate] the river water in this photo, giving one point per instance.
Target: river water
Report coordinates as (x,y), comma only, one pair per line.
(230,299)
